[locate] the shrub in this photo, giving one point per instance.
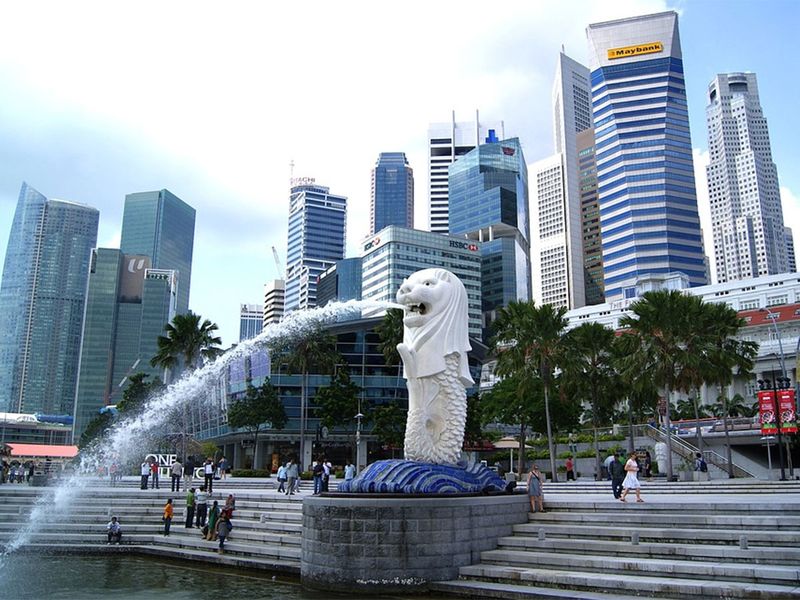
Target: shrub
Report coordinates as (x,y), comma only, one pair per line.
(339,474)
(588,453)
(306,476)
(250,473)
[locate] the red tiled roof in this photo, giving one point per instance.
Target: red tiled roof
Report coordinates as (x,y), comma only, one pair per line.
(43,450)
(785,312)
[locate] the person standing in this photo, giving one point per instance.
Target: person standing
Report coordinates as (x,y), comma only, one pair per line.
(617,472)
(223,530)
(145,474)
(112,471)
(167,518)
(535,489)
(631,481)
(316,472)
(607,463)
(154,474)
(570,467)
(572,441)
(648,464)
(190,500)
(201,502)
(291,476)
(208,474)
(349,471)
(188,473)
(213,517)
(281,479)
(326,474)
(222,467)
(177,473)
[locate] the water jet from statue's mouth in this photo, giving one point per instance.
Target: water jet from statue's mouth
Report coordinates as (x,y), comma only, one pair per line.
(417,308)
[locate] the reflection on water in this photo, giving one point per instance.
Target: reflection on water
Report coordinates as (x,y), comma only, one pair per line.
(26,576)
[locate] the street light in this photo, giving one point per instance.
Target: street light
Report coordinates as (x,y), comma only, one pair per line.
(358,418)
(778,383)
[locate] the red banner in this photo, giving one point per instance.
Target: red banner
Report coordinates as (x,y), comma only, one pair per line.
(766,412)
(786,405)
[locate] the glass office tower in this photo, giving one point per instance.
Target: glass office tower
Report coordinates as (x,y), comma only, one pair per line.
(646,190)
(161,225)
(42,299)
(392,192)
(489,204)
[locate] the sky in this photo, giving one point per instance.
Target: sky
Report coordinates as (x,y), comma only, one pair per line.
(214,101)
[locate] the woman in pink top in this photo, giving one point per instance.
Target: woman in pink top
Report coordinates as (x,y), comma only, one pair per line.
(631,481)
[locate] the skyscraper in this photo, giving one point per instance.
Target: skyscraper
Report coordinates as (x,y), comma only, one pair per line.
(274,292)
(340,283)
(447,142)
(557,254)
(392,192)
(746,214)
(317,221)
(127,306)
(161,225)
(251,321)
(42,299)
(489,204)
(590,217)
(646,190)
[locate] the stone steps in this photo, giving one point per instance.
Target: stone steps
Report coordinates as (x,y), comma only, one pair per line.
(696,520)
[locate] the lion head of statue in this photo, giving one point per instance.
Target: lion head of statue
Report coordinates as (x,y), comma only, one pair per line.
(436,321)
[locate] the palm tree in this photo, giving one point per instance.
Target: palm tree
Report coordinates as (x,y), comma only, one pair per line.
(635,382)
(189,342)
(660,325)
(530,337)
(589,372)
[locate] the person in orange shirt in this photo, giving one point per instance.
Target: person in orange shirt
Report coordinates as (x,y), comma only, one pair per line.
(167,518)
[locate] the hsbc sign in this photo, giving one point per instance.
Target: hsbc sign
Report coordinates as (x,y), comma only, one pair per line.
(472,247)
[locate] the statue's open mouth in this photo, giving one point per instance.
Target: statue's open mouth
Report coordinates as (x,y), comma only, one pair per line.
(417,308)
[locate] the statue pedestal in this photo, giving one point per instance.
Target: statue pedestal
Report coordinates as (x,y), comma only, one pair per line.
(386,544)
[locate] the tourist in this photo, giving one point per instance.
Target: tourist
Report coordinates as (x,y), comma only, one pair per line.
(281,478)
(188,473)
(30,471)
(617,472)
(349,471)
(114,530)
(222,468)
(607,463)
(145,473)
(112,471)
(208,474)
(292,477)
(316,472)
(570,466)
(648,464)
(223,528)
(230,504)
(176,473)
(535,489)
(167,518)
(201,506)
(154,472)
(326,473)
(190,499)
(700,463)
(572,441)
(631,481)
(213,517)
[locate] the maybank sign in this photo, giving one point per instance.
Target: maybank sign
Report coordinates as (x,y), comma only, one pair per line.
(625,52)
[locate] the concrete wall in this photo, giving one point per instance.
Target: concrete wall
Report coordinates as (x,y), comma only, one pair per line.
(371,544)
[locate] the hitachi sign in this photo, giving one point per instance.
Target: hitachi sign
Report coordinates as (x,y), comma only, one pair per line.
(464,245)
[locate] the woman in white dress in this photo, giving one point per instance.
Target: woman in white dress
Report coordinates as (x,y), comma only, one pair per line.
(631,481)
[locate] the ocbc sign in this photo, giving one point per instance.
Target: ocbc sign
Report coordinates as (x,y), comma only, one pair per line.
(372,243)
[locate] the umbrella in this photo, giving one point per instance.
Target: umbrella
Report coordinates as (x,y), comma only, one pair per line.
(509,443)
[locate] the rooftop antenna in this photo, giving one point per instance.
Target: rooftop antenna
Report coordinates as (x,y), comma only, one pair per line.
(291,172)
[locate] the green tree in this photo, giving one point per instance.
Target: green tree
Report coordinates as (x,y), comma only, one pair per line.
(473,428)
(389,424)
(137,392)
(189,341)
(260,408)
(95,429)
(390,332)
(530,338)
(338,403)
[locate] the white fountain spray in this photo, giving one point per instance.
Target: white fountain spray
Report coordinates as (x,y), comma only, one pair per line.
(124,439)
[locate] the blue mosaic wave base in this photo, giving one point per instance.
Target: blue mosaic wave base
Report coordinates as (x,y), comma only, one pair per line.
(409,477)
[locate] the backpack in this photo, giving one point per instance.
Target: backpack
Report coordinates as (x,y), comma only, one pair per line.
(703,466)
(318,469)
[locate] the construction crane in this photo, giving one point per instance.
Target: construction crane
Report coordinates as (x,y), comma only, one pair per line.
(281,273)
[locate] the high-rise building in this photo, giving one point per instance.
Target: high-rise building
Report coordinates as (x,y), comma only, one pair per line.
(128,303)
(590,217)
(745,198)
(392,201)
(394,253)
(447,142)
(790,250)
(557,256)
(251,321)
(161,225)
(489,204)
(274,292)
(317,221)
(646,190)
(340,283)
(42,301)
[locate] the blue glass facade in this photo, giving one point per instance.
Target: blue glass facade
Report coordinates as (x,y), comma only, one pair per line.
(489,203)
(42,299)
(646,190)
(340,283)
(161,225)
(316,240)
(392,192)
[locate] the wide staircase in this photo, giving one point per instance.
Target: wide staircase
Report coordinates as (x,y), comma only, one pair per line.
(705,542)
(266,533)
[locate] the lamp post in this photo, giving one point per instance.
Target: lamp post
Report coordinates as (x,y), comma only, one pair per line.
(779,383)
(358,418)
(764,385)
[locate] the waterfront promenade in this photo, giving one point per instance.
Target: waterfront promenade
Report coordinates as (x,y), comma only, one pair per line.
(729,539)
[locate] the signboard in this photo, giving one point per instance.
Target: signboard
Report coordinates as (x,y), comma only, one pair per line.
(628,51)
(766,412)
(471,246)
(786,405)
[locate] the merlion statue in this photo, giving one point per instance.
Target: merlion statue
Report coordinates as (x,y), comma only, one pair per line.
(434,353)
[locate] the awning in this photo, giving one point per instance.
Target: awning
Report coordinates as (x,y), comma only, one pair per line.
(42,451)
